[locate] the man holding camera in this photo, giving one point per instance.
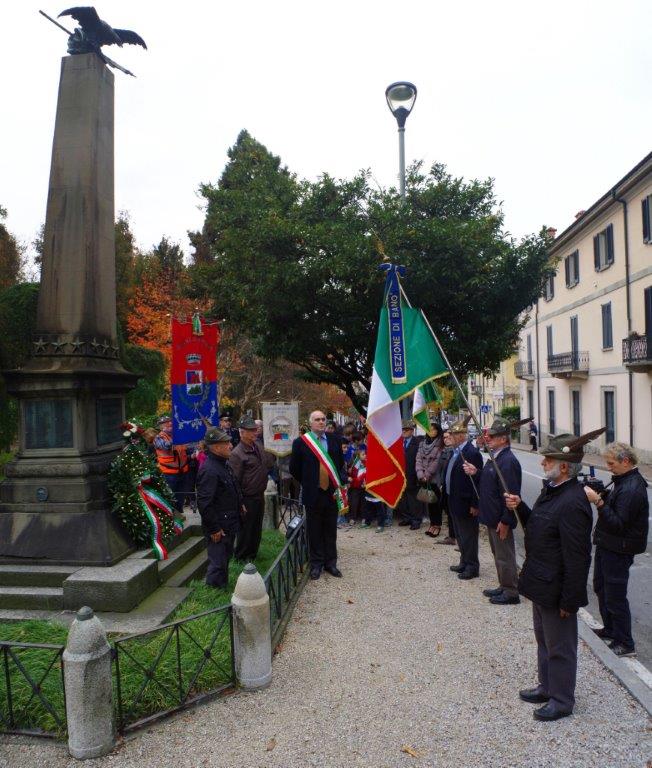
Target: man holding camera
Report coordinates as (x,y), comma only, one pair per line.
(620,533)
(554,574)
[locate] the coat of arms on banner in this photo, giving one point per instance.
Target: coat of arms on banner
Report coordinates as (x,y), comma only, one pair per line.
(280,426)
(194,381)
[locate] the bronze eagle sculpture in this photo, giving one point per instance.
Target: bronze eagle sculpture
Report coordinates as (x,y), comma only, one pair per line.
(93,33)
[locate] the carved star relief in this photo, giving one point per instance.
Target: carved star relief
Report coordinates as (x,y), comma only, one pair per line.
(58,345)
(40,345)
(76,344)
(105,347)
(95,344)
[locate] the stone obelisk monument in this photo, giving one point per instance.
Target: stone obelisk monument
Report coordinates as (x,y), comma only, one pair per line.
(54,504)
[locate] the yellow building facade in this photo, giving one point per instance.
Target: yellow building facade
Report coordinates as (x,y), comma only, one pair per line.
(585,356)
(494,392)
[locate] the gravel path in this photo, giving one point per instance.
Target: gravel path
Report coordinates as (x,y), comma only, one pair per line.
(397,656)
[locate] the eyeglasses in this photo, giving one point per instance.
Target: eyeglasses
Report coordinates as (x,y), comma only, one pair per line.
(319,418)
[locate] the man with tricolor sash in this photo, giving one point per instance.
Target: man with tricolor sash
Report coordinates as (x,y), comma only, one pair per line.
(317,463)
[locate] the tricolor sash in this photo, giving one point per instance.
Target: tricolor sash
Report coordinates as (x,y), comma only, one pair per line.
(324,458)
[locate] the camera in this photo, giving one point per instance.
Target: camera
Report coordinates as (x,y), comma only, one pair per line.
(593,482)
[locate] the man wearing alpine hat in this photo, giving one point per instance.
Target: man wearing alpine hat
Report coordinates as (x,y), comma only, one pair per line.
(499,520)
(462,494)
(554,575)
(220,505)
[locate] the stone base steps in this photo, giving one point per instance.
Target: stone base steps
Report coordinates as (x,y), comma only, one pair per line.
(44,598)
(181,555)
(194,569)
(35,575)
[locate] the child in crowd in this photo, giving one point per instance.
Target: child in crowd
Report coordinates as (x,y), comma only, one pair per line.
(374,508)
(357,475)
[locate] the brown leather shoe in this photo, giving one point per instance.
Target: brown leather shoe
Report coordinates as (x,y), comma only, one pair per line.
(447,540)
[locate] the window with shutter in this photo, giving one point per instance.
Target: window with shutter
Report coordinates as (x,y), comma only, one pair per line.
(647,218)
(607,332)
(603,248)
(549,339)
(567,270)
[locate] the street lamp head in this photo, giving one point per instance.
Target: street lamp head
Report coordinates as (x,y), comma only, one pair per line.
(400,100)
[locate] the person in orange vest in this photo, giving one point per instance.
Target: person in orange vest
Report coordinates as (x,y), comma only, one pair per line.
(172,461)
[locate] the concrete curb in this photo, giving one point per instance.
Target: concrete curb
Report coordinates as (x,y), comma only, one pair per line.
(617,666)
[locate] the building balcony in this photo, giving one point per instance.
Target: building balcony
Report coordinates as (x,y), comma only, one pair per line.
(524,369)
(637,354)
(569,365)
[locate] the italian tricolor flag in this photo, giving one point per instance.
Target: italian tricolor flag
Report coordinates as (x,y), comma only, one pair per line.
(423,363)
(424,396)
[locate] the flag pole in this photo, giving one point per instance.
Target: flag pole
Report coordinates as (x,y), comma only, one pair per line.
(461,391)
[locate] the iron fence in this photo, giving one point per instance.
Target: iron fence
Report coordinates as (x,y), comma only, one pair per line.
(32,692)
(173,666)
(286,578)
(288,508)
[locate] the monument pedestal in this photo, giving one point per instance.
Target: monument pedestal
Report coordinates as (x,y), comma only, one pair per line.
(54,505)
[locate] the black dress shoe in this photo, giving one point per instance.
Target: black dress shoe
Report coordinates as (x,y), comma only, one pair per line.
(604,634)
(622,650)
(534,695)
(503,599)
(315,573)
(549,712)
(334,571)
(415,526)
(492,592)
(466,575)
(456,568)
(404,522)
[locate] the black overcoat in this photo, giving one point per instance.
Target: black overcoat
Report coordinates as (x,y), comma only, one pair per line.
(218,496)
(557,547)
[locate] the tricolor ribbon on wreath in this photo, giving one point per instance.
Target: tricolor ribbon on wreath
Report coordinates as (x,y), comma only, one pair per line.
(324,458)
(153,503)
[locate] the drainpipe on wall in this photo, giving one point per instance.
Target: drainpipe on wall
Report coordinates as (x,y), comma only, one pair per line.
(628,302)
(536,363)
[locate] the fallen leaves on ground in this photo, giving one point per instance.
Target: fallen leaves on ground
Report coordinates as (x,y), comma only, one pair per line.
(410,751)
(270,745)
(350,600)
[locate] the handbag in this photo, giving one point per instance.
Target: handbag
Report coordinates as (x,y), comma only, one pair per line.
(427,495)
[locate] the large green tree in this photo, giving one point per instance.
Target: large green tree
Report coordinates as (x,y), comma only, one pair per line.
(11,255)
(295,264)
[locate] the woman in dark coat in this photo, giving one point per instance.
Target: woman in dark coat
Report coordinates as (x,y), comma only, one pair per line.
(428,470)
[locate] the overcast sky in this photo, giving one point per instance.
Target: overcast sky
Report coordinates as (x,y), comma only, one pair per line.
(552,100)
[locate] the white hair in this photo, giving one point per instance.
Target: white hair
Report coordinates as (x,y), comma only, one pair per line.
(620,452)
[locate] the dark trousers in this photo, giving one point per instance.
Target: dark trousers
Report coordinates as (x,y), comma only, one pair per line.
(219,555)
(533,442)
(321,526)
(374,509)
(505,558)
(556,654)
(409,508)
(434,510)
(248,539)
(449,516)
(610,578)
(179,486)
(356,496)
(466,530)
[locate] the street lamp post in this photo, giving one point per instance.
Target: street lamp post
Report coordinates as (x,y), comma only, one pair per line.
(400,100)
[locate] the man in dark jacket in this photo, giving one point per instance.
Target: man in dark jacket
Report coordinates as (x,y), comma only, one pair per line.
(462,494)
(410,509)
(499,520)
(250,465)
(220,505)
(557,560)
(318,487)
(620,533)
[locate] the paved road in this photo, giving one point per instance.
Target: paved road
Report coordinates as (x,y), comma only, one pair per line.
(640,582)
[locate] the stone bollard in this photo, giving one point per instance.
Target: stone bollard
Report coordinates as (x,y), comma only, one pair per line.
(252,639)
(270,516)
(89,694)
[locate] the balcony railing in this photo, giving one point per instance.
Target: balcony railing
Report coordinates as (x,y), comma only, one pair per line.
(524,369)
(637,353)
(569,365)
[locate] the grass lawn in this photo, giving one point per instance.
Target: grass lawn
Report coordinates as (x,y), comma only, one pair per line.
(176,649)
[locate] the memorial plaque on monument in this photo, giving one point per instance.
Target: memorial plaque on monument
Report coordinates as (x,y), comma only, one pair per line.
(109,415)
(48,423)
